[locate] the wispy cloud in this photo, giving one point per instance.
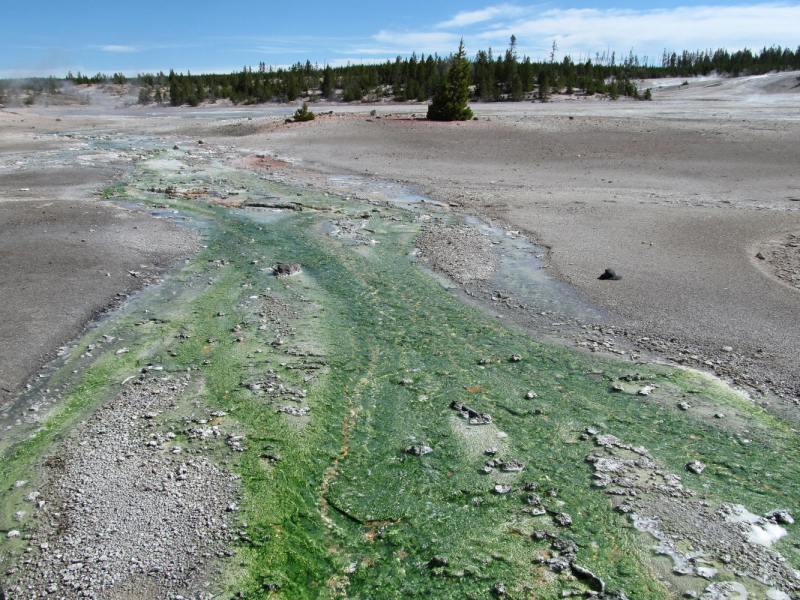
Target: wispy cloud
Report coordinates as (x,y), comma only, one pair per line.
(406,42)
(697,27)
(490,13)
(582,31)
(113,48)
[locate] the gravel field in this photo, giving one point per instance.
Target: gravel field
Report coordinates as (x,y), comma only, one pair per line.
(459,251)
(124,511)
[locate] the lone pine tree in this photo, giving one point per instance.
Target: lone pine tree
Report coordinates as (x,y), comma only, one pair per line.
(450,101)
(303,114)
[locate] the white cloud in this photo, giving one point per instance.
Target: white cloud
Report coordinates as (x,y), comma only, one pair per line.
(370,60)
(113,48)
(681,28)
(489,13)
(407,42)
(586,31)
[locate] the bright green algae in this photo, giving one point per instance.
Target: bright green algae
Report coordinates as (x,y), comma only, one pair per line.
(346,512)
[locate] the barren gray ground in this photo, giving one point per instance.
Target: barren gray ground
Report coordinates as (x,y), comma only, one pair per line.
(677,195)
(65,253)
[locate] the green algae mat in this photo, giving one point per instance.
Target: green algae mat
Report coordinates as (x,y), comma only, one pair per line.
(396,443)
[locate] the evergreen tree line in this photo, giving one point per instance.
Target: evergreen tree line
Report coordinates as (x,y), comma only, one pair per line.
(492,77)
(742,62)
(501,77)
(116,78)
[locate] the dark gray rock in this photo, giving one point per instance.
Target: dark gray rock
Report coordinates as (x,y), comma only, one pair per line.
(512,465)
(593,580)
(695,466)
(482,419)
(780,515)
(563,519)
(419,450)
(286,269)
(609,274)
(438,561)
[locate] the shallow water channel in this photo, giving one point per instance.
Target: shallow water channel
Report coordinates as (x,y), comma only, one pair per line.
(393,439)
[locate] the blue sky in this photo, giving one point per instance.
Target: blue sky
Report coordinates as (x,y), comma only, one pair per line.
(53,37)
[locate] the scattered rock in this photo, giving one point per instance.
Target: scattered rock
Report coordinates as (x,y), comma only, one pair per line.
(531,395)
(475,418)
(593,580)
(512,466)
(294,411)
(695,466)
(780,515)
(126,510)
(563,520)
(685,526)
(502,488)
(419,450)
(610,275)
(460,251)
(499,589)
(482,419)
(533,499)
(515,358)
(286,269)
